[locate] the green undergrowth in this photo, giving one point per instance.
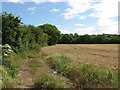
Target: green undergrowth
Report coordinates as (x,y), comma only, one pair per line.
(10,65)
(6,80)
(45,80)
(44,77)
(83,75)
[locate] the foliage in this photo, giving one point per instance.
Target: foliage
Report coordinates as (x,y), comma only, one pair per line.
(10,68)
(10,29)
(21,37)
(82,74)
(44,77)
(7,80)
(89,39)
(66,39)
(44,80)
(53,33)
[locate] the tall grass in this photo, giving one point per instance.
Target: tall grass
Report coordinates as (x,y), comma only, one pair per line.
(85,76)
(44,77)
(6,80)
(45,80)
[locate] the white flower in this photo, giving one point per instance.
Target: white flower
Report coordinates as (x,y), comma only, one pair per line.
(5,54)
(8,46)
(10,50)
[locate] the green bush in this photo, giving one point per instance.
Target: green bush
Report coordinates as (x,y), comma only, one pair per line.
(10,68)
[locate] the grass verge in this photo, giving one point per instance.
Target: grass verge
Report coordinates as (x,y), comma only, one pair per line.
(44,77)
(85,76)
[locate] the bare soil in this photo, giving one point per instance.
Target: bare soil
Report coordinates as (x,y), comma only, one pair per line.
(24,76)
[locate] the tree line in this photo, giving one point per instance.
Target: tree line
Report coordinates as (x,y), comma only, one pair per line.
(89,39)
(23,37)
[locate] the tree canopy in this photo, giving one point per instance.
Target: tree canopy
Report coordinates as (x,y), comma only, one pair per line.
(52,32)
(10,29)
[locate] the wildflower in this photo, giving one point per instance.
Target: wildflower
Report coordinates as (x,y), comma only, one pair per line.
(9,50)
(5,54)
(8,46)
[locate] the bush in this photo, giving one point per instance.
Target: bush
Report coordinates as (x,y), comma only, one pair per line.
(10,68)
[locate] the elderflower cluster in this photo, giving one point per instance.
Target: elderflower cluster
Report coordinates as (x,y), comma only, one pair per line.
(6,50)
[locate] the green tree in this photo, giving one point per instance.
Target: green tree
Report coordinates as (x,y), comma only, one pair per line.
(40,37)
(66,39)
(52,32)
(10,29)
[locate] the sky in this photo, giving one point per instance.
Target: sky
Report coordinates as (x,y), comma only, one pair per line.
(69,16)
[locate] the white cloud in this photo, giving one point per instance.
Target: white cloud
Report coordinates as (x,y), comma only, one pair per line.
(58,25)
(79,24)
(83,17)
(104,11)
(110,30)
(77,7)
(86,30)
(57,0)
(65,31)
(97,30)
(15,1)
(38,1)
(93,30)
(54,10)
(35,1)
(32,8)
(106,22)
(68,15)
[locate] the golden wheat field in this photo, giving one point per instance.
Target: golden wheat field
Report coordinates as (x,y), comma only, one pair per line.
(100,55)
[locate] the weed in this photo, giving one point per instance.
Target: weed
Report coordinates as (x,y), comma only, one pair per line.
(84,75)
(44,80)
(10,68)
(47,57)
(7,80)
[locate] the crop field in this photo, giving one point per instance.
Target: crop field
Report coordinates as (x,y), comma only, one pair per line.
(100,55)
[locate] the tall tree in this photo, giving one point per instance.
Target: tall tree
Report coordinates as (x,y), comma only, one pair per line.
(10,29)
(53,33)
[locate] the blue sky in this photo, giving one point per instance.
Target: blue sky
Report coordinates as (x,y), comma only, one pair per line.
(70,16)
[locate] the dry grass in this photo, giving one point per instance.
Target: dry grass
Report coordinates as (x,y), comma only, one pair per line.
(101,55)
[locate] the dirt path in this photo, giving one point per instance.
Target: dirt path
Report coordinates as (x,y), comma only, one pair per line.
(24,76)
